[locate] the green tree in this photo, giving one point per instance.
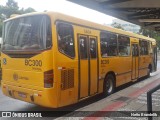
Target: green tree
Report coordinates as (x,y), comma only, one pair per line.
(158,40)
(12,4)
(10,8)
(28,10)
(117,25)
(150,33)
(145,32)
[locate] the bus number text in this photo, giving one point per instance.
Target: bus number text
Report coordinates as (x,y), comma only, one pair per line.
(104,61)
(87,31)
(29,62)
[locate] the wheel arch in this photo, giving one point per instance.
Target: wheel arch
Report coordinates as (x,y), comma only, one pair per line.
(105,91)
(112,73)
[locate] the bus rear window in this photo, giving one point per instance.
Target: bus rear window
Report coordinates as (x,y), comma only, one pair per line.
(27,33)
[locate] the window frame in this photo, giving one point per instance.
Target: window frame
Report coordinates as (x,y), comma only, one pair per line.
(135,55)
(57,28)
(116,42)
(29,51)
(48,48)
(96,43)
(83,36)
(26,54)
(143,40)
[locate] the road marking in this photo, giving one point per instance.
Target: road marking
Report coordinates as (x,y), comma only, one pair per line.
(118,104)
(155,98)
(144,89)
(112,107)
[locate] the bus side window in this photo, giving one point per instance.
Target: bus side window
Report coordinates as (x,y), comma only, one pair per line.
(108,44)
(65,39)
(123,45)
(135,51)
(144,46)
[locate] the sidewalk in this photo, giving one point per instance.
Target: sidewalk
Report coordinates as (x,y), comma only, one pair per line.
(128,100)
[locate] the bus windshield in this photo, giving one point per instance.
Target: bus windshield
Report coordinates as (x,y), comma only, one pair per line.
(27,33)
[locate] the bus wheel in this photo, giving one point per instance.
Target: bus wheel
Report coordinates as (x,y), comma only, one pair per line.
(109,85)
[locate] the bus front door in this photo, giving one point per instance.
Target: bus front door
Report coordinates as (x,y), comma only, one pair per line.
(88,66)
(135,60)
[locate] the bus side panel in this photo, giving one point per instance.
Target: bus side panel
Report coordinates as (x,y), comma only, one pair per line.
(66,75)
(123,70)
(118,66)
(143,65)
(145,58)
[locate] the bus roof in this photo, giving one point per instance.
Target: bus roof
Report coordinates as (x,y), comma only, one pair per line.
(59,16)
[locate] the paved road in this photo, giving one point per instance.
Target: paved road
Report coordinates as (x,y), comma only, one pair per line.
(130,98)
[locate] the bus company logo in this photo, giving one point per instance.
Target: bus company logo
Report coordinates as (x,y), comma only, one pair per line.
(4,61)
(6,114)
(15,76)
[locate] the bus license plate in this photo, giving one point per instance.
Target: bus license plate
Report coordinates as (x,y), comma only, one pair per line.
(23,95)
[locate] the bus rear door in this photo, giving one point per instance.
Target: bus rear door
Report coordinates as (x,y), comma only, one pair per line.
(135,60)
(88,65)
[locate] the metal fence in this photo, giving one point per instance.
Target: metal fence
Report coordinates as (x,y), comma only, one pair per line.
(149,100)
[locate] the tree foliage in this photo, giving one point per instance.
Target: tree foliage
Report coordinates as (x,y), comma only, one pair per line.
(10,8)
(117,25)
(146,32)
(151,33)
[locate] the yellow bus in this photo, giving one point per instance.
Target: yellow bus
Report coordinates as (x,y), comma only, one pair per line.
(53,60)
(0,69)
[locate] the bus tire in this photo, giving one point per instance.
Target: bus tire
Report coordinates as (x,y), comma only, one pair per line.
(109,85)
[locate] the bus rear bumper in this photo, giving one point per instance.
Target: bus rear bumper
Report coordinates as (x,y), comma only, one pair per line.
(45,97)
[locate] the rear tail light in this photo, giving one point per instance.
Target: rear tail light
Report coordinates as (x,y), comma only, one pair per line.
(48,79)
